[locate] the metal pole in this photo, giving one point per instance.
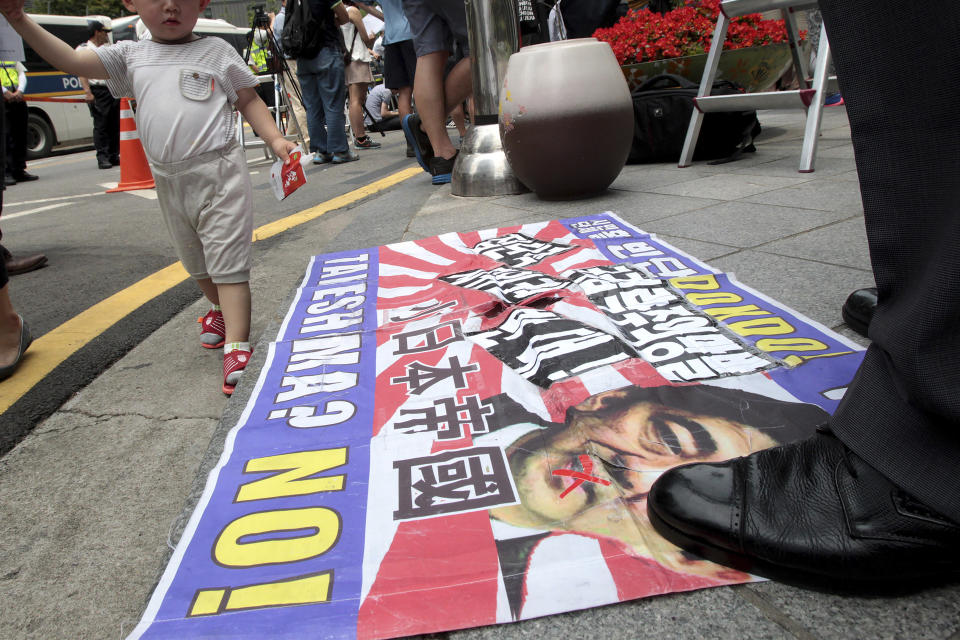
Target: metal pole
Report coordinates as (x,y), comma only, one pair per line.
(481,168)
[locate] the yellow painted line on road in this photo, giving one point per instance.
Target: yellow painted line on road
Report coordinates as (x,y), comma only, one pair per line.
(50,350)
(279,226)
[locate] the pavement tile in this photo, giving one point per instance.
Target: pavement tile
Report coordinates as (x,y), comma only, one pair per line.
(644,207)
(837,150)
(607,200)
(842,243)
(789,166)
(729,186)
(778,132)
(848,176)
(764,154)
(815,289)
(647,176)
(933,614)
(741,224)
(825,195)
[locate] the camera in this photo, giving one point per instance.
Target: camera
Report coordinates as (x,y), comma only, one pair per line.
(260,18)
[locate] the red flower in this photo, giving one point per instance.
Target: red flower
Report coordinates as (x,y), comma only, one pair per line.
(642,36)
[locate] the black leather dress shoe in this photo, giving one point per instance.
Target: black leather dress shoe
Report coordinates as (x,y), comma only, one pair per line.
(23,176)
(24,264)
(858,309)
(811,513)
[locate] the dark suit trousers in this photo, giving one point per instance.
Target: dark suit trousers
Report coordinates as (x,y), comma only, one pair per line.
(898,72)
(105,110)
(16,135)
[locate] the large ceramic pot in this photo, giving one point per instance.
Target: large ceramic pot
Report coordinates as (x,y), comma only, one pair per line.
(566,117)
(754,68)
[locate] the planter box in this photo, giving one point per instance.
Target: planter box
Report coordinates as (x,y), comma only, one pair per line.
(755,68)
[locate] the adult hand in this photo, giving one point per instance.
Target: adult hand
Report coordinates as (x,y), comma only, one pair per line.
(8,96)
(88,95)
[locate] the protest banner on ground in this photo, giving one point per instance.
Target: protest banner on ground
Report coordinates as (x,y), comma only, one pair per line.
(461,431)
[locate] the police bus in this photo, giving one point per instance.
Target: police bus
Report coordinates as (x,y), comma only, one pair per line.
(50,122)
(57,112)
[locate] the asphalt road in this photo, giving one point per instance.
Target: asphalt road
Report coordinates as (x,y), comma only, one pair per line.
(99,243)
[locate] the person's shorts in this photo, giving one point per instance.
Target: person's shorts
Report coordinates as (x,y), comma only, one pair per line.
(207,205)
(435,24)
(358,72)
(399,64)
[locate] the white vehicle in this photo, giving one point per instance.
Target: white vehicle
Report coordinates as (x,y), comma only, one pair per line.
(50,122)
(57,113)
(128,29)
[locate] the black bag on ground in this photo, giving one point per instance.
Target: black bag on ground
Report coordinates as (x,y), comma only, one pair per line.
(301,36)
(662,107)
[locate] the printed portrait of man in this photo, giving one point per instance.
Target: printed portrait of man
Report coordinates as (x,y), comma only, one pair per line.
(631,436)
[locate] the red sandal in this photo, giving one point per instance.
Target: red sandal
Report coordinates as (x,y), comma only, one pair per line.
(233,365)
(213,331)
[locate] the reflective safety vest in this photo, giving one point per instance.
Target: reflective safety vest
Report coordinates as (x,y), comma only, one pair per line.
(8,75)
(258,57)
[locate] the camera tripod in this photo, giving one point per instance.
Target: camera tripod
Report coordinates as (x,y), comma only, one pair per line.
(283,79)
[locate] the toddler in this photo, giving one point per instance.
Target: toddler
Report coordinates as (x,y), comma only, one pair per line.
(186,87)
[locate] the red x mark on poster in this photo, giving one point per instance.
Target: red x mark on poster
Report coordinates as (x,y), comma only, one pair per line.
(579,477)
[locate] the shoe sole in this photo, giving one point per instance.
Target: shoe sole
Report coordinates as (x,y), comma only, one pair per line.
(854,322)
(213,346)
(894,584)
(443,178)
(412,140)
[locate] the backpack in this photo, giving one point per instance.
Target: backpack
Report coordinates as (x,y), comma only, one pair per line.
(302,34)
(662,107)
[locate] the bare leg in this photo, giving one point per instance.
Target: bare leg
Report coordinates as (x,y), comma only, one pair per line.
(209,290)
(9,329)
(404,98)
(357,94)
(458,120)
(459,85)
(235,305)
(429,93)
(471,108)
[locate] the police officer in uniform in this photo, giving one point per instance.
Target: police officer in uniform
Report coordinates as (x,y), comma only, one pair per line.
(13,76)
(104,108)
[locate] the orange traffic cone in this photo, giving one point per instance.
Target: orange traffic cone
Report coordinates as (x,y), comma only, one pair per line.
(134,170)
